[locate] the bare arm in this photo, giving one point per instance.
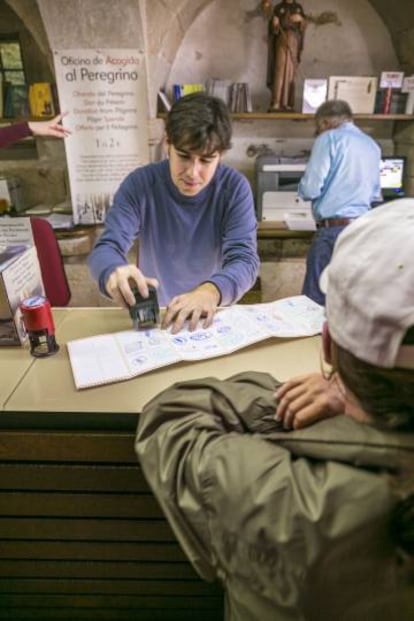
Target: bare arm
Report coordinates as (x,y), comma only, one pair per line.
(53,127)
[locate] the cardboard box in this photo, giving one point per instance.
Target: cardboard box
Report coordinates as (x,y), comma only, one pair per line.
(20,277)
(358,91)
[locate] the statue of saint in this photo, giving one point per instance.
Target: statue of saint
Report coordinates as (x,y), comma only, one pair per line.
(287,23)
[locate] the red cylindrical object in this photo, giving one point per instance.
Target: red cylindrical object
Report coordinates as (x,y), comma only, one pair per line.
(38,322)
(37,314)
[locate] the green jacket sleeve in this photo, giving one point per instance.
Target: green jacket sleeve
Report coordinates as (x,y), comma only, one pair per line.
(236,497)
(175,433)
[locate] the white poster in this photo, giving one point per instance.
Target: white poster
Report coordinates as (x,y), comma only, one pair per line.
(104,94)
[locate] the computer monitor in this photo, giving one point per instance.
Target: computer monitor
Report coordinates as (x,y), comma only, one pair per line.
(392,176)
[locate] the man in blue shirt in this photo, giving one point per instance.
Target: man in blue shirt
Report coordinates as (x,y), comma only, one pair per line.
(342,180)
(194,218)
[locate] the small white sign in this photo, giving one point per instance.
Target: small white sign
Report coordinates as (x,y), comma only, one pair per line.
(391,79)
(408,84)
(314,94)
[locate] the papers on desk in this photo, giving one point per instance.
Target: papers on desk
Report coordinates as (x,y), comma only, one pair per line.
(58,220)
(123,355)
(299,221)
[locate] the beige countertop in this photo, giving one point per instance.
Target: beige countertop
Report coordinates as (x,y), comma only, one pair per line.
(45,387)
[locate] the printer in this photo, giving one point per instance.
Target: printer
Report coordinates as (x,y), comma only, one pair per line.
(276,180)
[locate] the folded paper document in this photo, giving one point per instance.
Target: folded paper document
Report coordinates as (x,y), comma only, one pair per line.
(123,355)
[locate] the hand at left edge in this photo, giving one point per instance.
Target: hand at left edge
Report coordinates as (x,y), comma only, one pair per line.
(199,303)
(52,127)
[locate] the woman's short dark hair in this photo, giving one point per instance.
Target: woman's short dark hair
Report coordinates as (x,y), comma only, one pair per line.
(200,123)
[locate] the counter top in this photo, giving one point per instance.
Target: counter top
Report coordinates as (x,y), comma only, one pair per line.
(45,390)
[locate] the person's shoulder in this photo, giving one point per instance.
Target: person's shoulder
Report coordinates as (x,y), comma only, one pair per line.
(230,176)
(343,133)
(362,135)
(232,183)
(325,137)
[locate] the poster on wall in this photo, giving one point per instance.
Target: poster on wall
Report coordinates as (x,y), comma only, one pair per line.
(104,93)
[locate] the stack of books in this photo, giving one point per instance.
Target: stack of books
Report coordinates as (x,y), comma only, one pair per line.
(240,98)
(235,94)
(391,101)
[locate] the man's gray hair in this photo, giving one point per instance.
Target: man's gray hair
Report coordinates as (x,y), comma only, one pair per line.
(334,109)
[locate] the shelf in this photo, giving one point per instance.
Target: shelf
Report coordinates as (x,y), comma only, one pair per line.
(298,116)
(261,116)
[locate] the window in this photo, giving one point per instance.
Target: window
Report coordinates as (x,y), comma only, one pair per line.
(11,62)
(13,86)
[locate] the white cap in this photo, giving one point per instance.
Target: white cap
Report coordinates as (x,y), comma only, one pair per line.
(369,285)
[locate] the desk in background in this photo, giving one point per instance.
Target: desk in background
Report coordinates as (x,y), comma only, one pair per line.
(81,535)
(283,250)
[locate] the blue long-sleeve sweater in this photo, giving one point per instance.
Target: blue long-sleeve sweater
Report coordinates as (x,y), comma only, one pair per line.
(183,241)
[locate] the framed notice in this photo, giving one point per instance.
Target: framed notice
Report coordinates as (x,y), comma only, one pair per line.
(358,91)
(104,93)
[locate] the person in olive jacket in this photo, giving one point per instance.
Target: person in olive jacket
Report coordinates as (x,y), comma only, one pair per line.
(316,523)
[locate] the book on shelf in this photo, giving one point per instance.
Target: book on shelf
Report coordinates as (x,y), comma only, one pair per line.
(41,99)
(187,89)
(390,101)
(219,88)
(180,90)
(16,102)
(164,103)
(240,98)
(236,95)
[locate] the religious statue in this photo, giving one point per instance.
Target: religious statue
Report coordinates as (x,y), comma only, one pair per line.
(287,23)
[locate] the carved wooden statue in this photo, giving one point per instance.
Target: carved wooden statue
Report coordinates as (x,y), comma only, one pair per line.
(287,23)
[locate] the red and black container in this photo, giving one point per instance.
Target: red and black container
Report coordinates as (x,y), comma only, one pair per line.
(38,322)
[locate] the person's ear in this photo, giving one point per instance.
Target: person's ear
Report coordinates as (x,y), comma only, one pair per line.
(326,344)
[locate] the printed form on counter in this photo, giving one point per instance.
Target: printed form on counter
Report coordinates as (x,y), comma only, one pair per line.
(123,355)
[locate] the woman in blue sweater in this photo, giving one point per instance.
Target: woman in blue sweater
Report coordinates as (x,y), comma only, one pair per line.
(194,218)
